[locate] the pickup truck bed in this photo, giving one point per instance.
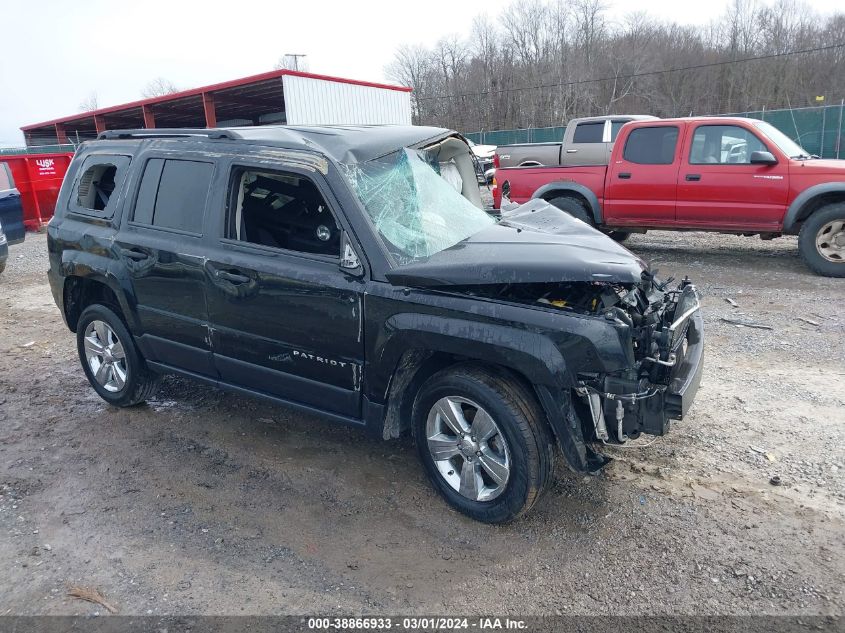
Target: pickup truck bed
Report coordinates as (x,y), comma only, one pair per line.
(586,141)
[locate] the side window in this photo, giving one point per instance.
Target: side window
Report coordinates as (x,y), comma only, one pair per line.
(6,181)
(282,210)
(173,193)
(588,132)
(723,144)
(615,126)
(651,145)
(101,178)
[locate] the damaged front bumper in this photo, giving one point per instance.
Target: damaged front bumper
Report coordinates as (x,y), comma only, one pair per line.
(662,384)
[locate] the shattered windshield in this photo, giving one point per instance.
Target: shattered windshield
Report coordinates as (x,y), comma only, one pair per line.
(415,203)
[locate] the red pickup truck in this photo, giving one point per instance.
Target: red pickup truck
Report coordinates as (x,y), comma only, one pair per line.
(730,175)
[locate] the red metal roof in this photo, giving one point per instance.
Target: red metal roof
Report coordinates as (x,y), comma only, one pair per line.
(235,83)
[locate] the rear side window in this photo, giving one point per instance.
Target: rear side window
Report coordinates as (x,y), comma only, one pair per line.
(589,132)
(615,126)
(98,187)
(6,181)
(173,194)
(651,145)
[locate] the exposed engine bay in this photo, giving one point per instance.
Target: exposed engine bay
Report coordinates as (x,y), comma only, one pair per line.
(619,406)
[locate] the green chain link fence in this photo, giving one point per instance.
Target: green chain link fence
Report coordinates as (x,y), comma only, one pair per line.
(820,130)
(42,149)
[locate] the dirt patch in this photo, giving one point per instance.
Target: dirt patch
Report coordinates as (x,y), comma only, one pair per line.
(205,502)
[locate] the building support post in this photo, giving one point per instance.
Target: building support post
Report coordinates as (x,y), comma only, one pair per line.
(61,134)
(149,117)
(210,112)
(99,123)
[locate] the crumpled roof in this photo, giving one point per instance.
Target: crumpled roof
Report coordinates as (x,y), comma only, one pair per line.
(347,144)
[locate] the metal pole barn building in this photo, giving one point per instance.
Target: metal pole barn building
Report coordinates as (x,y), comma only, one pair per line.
(277,97)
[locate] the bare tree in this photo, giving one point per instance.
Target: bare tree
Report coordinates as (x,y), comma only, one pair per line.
(159,87)
(541,62)
(89,103)
(290,61)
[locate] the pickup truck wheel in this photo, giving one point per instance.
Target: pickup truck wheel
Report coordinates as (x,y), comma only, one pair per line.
(619,236)
(111,361)
(484,442)
(822,240)
(573,207)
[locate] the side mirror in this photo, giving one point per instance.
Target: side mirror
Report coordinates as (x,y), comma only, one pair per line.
(349,261)
(763,158)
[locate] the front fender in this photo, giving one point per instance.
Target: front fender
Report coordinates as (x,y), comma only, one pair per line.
(794,213)
(529,353)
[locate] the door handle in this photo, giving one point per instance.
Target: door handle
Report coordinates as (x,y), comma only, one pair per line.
(624,175)
(131,253)
(693,176)
(234,278)
(571,151)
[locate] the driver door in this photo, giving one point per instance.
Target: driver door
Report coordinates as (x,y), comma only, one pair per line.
(285,320)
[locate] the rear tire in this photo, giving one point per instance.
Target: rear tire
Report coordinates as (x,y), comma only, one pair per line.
(507,455)
(111,360)
(619,236)
(573,207)
(821,241)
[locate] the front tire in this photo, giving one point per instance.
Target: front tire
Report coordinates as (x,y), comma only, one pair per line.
(821,241)
(484,442)
(110,359)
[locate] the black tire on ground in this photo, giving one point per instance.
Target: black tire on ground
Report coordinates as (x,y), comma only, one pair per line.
(574,207)
(619,236)
(140,382)
(515,411)
(818,222)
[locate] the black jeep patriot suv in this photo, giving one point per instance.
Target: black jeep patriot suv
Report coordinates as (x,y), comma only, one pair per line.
(352,271)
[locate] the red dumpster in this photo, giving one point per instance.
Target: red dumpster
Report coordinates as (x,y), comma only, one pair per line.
(38,177)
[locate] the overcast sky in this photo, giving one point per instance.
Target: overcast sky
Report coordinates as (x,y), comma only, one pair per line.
(57,53)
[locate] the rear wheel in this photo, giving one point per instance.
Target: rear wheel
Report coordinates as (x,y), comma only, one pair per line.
(822,240)
(110,359)
(574,207)
(619,236)
(484,442)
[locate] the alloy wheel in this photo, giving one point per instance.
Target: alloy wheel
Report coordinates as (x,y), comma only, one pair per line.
(468,448)
(105,356)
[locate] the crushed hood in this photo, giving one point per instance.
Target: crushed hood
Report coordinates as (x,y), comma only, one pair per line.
(534,243)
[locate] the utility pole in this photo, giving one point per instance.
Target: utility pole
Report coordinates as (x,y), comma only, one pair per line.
(296,57)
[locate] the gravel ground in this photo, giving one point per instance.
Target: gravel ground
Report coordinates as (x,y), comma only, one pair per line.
(204,502)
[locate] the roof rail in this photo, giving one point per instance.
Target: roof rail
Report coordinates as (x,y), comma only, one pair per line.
(164,132)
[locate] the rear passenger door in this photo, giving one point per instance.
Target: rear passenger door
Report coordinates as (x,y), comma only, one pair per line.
(161,245)
(587,145)
(286,321)
(642,184)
